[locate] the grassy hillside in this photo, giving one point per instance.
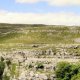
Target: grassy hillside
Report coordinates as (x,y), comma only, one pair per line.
(11,35)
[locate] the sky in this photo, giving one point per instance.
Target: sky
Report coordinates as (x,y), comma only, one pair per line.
(50,12)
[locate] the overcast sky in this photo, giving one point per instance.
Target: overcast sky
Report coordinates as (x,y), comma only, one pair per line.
(54,12)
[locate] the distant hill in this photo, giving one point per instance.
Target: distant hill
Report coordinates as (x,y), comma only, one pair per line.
(38,34)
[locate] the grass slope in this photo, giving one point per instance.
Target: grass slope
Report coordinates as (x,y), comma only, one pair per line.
(14,34)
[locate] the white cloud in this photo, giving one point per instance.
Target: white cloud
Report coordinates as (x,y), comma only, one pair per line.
(53,2)
(28,1)
(46,18)
(64,2)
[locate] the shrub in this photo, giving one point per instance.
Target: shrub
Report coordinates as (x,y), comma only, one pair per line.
(2,66)
(2,59)
(40,66)
(67,71)
(30,66)
(6,77)
(62,69)
(8,62)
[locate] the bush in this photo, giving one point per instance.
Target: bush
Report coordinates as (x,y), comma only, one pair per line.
(6,77)
(30,66)
(8,62)
(62,69)
(13,70)
(2,59)
(40,66)
(67,71)
(2,66)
